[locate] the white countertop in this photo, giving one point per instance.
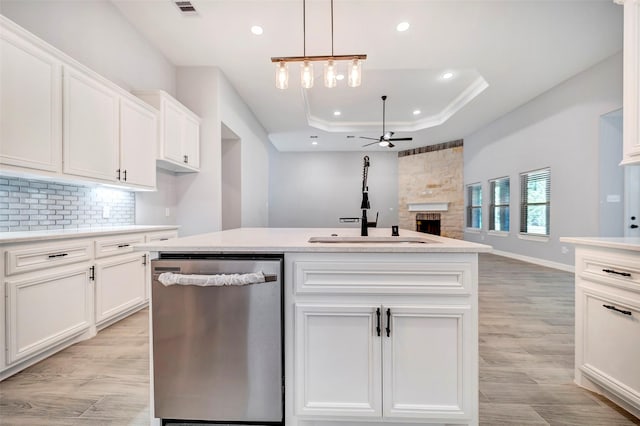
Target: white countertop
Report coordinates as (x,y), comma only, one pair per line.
(57,234)
(622,243)
(281,240)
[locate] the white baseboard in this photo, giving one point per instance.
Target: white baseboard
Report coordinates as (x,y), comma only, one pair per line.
(535,260)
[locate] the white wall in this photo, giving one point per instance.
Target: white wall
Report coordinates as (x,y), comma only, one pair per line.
(315,189)
(206,91)
(559,129)
(97,35)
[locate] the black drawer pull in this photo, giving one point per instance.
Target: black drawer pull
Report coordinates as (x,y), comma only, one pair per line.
(613,308)
(163,239)
(51,256)
(123,245)
(611,271)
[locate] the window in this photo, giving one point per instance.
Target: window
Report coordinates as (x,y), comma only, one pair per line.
(474,206)
(499,207)
(535,202)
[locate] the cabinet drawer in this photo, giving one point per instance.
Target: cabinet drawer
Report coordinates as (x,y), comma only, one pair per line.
(41,256)
(620,270)
(610,342)
(117,245)
(161,236)
(382,277)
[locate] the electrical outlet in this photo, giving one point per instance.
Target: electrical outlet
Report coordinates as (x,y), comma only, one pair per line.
(167,212)
(564,250)
(106,212)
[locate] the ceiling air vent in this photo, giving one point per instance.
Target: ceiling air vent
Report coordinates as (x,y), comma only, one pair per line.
(186,7)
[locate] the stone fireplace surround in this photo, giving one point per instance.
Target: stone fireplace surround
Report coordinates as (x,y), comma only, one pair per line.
(432,178)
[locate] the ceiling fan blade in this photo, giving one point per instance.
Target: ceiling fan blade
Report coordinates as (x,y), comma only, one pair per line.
(390,145)
(372,143)
(364,137)
(401,139)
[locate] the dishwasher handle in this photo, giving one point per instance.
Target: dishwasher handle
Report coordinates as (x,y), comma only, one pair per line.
(216,280)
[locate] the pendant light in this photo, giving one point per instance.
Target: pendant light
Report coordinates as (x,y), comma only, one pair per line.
(330,67)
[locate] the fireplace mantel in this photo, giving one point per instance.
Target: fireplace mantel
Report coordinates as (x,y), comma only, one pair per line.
(428,207)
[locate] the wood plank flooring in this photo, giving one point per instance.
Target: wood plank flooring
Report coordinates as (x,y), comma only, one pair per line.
(526,363)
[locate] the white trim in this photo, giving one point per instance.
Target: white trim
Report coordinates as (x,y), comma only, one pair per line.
(498,233)
(473,230)
(536,261)
(532,237)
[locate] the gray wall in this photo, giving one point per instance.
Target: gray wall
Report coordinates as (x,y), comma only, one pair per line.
(314,189)
(611,175)
(560,130)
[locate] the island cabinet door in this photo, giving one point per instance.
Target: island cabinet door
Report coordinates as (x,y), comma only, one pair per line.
(337,361)
(427,356)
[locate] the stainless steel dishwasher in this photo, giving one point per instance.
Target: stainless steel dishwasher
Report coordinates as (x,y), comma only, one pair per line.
(218,350)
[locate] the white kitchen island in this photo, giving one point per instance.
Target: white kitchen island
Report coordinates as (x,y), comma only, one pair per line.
(375,332)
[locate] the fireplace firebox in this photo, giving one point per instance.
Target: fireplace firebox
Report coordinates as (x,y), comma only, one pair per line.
(428,223)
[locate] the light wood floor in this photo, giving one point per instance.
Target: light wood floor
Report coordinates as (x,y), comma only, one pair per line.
(526,363)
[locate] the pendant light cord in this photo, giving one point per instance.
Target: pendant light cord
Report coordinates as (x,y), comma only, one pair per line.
(331,27)
(304,28)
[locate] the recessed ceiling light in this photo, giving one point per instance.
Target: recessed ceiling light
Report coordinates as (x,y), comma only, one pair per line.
(402,26)
(337,113)
(340,77)
(257,30)
(417,112)
(447,75)
(314,143)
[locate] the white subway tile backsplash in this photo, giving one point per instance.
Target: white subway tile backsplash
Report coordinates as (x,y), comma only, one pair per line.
(32,205)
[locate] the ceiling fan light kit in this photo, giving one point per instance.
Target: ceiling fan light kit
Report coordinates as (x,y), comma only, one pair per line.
(330,69)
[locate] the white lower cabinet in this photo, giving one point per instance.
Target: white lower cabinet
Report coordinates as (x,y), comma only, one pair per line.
(382,338)
(120,285)
(47,309)
(382,361)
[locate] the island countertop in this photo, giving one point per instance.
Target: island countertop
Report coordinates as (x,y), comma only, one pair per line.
(282,240)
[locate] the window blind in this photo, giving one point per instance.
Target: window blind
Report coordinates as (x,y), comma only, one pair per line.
(499,204)
(535,202)
(474,206)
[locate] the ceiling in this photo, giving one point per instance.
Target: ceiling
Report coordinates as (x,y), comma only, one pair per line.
(502,53)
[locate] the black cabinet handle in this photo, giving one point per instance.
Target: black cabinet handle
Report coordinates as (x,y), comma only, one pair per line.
(388,329)
(613,308)
(118,171)
(92,273)
(186,158)
(378,321)
(144,259)
(123,245)
(611,271)
(125,175)
(51,256)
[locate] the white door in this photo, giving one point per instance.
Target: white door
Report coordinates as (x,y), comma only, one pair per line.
(426,361)
(30,106)
(47,309)
(173,132)
(337,361)
(192,141)
(90,143)
(120,284)
(632,201)
(138,143)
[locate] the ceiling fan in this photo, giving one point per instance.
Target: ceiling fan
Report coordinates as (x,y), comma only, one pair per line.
(386,139)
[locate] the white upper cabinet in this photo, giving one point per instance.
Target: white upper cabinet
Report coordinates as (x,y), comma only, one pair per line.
(138,143)
(30,105)
(90,142)
(631,82)
(179,143)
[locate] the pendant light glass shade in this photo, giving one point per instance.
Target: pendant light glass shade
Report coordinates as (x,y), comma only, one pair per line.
(330,74)
(282,75)
(355,73)
(306,75)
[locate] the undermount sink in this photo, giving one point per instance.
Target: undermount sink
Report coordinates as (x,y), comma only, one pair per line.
(358,240)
